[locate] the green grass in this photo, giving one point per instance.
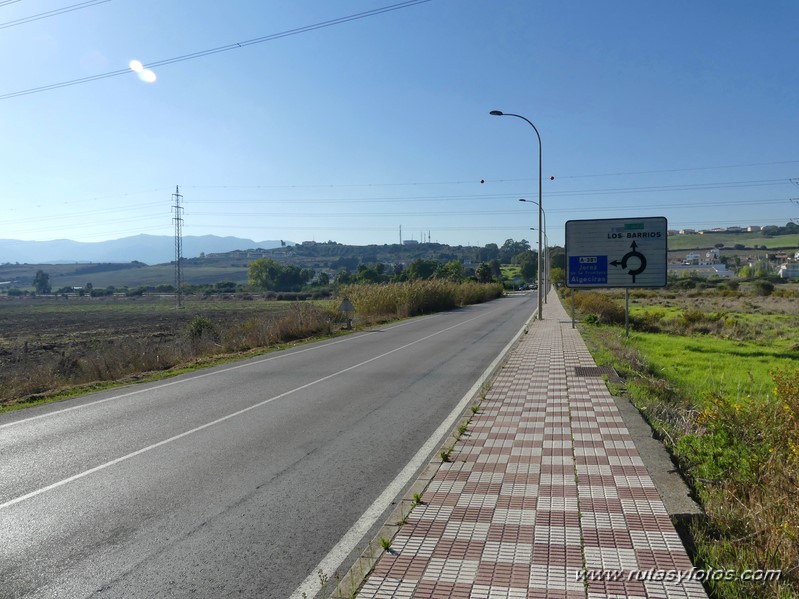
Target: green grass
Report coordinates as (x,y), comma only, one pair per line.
(686,242)
(720,384)
(510,272)
(70,275)
(703,364)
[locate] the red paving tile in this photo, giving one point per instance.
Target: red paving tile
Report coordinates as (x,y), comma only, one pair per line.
(546,497)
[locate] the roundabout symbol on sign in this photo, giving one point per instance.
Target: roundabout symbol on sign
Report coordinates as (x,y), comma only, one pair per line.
(633,272)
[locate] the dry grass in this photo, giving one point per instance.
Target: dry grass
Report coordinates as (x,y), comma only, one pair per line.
(401,300)
(60,345)
(32,371)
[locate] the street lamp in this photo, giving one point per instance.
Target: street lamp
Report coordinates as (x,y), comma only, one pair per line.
(540,208)
(542,251)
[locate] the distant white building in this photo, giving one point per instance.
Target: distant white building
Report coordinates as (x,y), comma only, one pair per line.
(687,231)
(789,271)
(754,228)
(692,258)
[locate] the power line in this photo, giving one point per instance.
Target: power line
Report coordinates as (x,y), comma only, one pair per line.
(576,192)
(228,47)
(51,13)
(473,181)
(683,187)
(83,215)
(403,198)
(678,170)
(415,213)
(566,193)
(5,2)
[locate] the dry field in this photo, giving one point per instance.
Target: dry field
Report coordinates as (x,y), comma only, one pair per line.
(49,344)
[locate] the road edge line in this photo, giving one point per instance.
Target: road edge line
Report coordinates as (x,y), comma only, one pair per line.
(320,575)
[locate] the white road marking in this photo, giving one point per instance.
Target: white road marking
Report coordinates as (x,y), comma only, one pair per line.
(199,376)
(128,456)
(333,560)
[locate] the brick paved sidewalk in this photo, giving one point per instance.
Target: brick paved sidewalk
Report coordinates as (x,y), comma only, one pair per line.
(545,496)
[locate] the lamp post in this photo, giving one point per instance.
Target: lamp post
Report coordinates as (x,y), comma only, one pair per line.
(540,208)
(542,251)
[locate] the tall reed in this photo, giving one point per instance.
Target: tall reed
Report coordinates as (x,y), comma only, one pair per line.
(400,300)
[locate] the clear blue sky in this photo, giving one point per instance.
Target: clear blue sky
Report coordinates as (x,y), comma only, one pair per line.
(680,109)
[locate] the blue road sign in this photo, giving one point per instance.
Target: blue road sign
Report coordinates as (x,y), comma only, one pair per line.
(588,270)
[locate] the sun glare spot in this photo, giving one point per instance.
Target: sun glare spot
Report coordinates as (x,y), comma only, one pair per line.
(147,76)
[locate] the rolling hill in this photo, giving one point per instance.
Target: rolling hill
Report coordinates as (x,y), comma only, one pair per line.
(149,249)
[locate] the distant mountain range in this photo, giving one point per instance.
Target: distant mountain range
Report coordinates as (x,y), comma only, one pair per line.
(149,249)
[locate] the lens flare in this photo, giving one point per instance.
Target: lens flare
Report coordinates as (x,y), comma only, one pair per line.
(146,75)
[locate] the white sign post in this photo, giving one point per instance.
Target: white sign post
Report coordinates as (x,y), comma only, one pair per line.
(617,252)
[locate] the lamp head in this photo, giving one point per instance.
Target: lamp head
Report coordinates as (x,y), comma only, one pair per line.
(496,112)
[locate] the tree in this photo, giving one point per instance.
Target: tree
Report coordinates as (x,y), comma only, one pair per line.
(268,274)
(263,272)
(528,264)
(369,274)
(452,270)
(484,273)
(557,257)
(761,269)
(510,249)
(496,269)
(422,269)
(225,287)
(41,282)
(343,277)
(489,252)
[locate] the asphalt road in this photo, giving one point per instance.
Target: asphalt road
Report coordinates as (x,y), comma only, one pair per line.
(235,480)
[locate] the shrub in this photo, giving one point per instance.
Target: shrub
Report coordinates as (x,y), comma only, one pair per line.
(731,285)
(745,457)
(684,284)
(649,322)
(763,287)
(202,327)
(692,316)
(600,306)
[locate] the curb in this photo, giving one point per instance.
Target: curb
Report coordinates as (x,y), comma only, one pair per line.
(350,584)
